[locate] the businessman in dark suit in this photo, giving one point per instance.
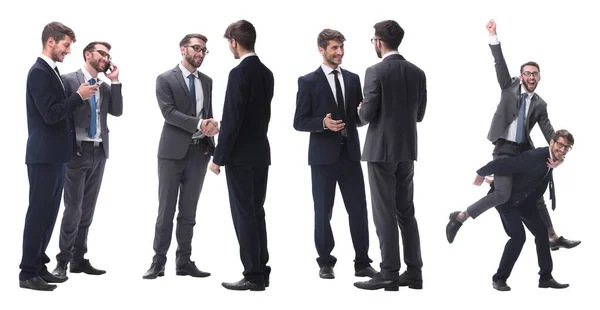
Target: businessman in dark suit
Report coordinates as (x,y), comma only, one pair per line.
(519,110)
(395,101)
(243,148)
(84,173)
(326,107)
(531,174)
(184,97)
(50,146)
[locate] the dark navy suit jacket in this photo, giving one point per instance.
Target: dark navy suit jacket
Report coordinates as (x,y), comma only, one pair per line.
(246,115)
(49,121)
(531,176)
(314,101)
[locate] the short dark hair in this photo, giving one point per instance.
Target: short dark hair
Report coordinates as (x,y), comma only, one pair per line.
(243,32)
(390,33)
(565,134)
(530,63)
(329,35)
(57,31)
(92,46)
(189,37)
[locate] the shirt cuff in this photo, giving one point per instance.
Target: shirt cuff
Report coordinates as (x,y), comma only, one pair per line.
(494,40)
(200,124)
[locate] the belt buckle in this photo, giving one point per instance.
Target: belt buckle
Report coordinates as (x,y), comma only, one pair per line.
(96,144)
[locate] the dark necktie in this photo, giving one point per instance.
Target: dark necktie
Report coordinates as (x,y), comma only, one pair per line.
(192,88)
(521,120)
(57,72)
(93,116)
(552,193)
(339,95)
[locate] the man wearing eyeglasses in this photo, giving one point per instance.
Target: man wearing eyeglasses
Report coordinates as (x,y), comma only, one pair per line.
(531,173)
(85,171)
(186,144)
(520,108)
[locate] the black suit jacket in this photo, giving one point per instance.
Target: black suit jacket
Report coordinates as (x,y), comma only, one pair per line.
(49,122)
(530,173)
(314,101)
(246,114)
(395,100)
(508,108)
(111,103)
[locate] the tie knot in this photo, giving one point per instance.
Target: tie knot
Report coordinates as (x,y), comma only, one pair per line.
(335,72)
(523,95)
(92,81)
(191,76)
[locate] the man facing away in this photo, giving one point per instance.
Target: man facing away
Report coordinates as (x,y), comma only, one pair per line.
(395,101)
(243,148)
(184,97)
(520,108)
(85,171)
(50,146)
(326,105)
(531,174)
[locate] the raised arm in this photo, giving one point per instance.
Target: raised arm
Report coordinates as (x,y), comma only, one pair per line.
(502,74)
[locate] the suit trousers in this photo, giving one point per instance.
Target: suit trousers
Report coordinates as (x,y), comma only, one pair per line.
(512,221)
(82,186)
(349,176)
(503,185)
(181,178)
(392,191)
(247,187)
(46,183)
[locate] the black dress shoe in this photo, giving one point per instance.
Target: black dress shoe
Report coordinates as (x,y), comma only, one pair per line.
(190,269)
(563,243)
(36,283)
(378,282)
(501,285)
(156,270)
(405,280)
(244,285)
(552,284)
(326,272)
(84,266)
(60,270)
(453,226)
(367,272)
(50,278)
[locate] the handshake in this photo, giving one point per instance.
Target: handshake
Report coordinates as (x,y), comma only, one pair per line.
(208,128)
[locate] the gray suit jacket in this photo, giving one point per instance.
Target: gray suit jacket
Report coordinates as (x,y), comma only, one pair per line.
(179,111)
(111,102)
(508,108)
(395,97)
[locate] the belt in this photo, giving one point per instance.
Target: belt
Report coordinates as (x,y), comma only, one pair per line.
(95,143)
(202,141)
(510,142)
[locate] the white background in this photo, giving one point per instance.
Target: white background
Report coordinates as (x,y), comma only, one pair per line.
(447,39)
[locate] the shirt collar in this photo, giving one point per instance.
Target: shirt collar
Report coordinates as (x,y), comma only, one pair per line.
(327,70)
(47,59)
(247,55)
(390,53)
(186,72)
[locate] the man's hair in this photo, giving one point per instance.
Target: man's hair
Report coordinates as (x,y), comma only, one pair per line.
(188,37)
(329,35)
(565,134)
(390,33)
(57,31)
(92,46)
(530,63)
(243,32)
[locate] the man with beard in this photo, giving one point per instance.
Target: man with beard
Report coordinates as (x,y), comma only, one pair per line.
(245,152)
(517,113)
(395,101)
(85,171)
(531,174)
(184,96)
(50,146)
(326,105)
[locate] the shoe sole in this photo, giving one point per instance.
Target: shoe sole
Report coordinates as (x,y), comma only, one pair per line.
(184,273)
(414,286)
(90,273)
(389,289)
(160,274)
(48,289)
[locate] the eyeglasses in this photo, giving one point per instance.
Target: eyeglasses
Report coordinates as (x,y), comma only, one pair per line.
(198,49)
(529,73)
(103,54)
(373,39)
(563,146)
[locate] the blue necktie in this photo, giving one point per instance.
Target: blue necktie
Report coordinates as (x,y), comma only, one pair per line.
(192,88)
(92,130)
(521,120)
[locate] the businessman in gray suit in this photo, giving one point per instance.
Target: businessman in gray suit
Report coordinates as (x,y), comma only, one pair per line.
(519,110)
(85,171)
(186,144)
(395,97)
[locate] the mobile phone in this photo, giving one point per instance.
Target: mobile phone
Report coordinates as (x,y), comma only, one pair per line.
(107,68)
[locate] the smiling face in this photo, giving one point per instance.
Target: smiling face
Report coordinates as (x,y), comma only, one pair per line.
(194,52)
(560,148)
(60,49)
(530,77)
(99,58)
(333,54)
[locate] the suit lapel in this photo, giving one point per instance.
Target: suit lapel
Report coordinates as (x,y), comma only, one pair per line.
(346,77)
(204,96)
(53,73)
(323,80)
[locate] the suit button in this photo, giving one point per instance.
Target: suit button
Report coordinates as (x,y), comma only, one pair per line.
(193,114)
(71,130)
